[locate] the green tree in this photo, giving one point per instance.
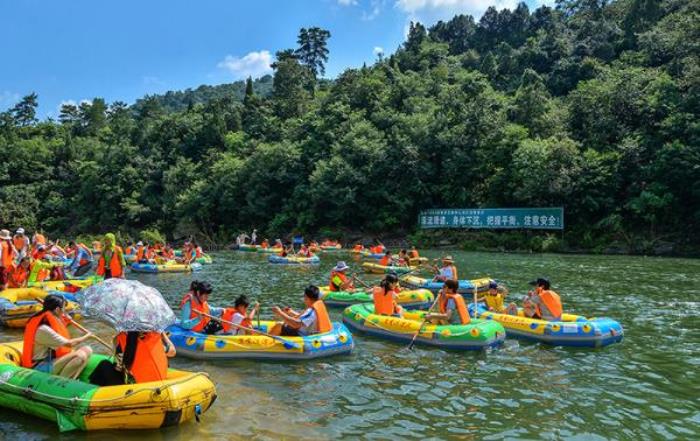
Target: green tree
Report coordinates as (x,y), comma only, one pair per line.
(313,49)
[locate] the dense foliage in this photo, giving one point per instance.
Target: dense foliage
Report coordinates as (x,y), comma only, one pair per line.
(592,105)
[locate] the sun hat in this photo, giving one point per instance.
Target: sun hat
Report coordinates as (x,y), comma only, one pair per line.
(448,259)
(139,244)
(5,235)
(20,230)
(341,266)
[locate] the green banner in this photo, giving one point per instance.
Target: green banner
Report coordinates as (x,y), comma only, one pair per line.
(493,218)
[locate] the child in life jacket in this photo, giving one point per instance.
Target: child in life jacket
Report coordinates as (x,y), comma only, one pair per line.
(495,297)
(241,317)
(452,309)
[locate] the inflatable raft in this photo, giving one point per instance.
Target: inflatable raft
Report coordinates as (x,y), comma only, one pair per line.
(465,286)
(247,247)
(336,247)
(202,346)
(479,334)
(370,255)
(79,405)
(409,299)
(572,330)
(68,285)
(375,268)
(205,259)
(153,268)
(294,260)
(270,250)
(17,305)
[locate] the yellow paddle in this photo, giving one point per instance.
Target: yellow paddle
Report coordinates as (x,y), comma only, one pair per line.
(288,344)
(413,340)
(80,327)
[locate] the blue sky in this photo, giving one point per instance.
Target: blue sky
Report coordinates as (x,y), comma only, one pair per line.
(72,50)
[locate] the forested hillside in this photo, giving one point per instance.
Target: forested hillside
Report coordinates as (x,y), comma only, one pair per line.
(176,101)
(592,105)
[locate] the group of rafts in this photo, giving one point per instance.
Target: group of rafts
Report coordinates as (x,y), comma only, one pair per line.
(158,259)
(77,404)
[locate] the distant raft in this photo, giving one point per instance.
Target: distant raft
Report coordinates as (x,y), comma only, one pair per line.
(270,250)
(375,268)
(572,330)
(294,260)
(18,305)
(465,286)
(477,335)
(227,347)
(204,259)
(370,255)
(153,268)
(79,405)
(336,247)
(247,247)
(408,299)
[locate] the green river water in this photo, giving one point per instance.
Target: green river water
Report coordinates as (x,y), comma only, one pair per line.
(646,387)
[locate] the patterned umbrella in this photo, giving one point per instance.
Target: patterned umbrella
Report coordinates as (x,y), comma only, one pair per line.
(127,305)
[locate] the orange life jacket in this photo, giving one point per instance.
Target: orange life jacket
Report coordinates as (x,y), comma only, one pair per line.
(17,277)
(141,253)
(358,247)
(115,263)
(323,321)
(385,261)
(46,317)
(377,250)
(8,254)
(198,252)
(150,362)
(459,303)
(413,254)
(39,239)
(552,301)
(265,244)
(331,284)
(384,303)
(188,254)
(196,307)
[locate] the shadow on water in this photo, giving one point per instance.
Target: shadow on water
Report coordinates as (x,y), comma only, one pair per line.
(644,387)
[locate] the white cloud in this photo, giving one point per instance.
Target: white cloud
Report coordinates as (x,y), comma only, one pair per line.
(375,8)
(347,2)
(254,64)
(378,50)
(429,11)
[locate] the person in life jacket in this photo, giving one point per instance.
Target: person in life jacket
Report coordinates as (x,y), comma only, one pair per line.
(339,281)
(495,297)
(195,311)
(48,344)
(542,303)
(198,252)
(378,249)
(40,267)
(38,239)
(304,251)
(111,263)
(82,258)
(130,250)
(19,275)
(241,317)
(452,309)
(7,257)
(384,296)
(313,320)
(358,247)
(265,244)
(448,271)
(143,355)
(387,259)
(413,254)
(403,258)
(21,243)
(142,254)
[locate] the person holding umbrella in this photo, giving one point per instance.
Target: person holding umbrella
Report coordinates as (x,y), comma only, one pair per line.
(140,315)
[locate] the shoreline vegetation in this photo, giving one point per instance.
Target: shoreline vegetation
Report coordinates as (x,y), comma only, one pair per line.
(589,105)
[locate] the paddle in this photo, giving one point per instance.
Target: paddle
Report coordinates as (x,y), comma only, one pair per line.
(288,344)
(413,340)
(365,284)
(77,325)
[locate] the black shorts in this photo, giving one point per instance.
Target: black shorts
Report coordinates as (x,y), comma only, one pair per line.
(212,327)
(288,331)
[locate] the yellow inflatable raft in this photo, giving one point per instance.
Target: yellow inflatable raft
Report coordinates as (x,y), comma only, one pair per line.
(17,305)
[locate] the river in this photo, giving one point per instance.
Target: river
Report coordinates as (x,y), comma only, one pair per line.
(643,388)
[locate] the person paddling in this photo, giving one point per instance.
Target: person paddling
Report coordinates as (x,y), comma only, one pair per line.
(339,281)
(48,344)
(387,260)
(195,311)
(448,271)
(452,309)
(313,320)
(242,317)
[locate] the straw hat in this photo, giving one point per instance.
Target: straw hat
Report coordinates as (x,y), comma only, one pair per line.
(5,235)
